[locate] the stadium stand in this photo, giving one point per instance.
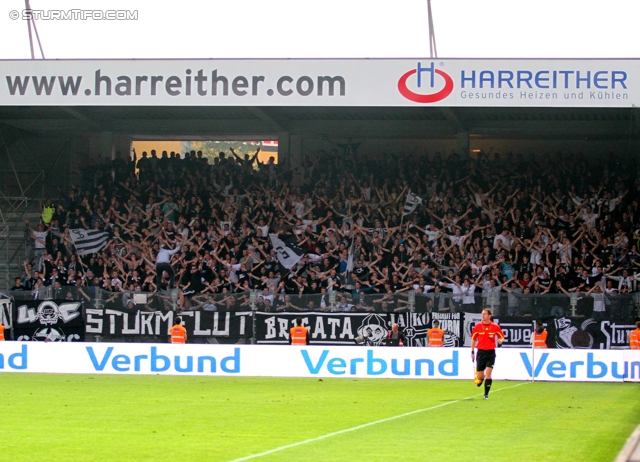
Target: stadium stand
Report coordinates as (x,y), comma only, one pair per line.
(499,224)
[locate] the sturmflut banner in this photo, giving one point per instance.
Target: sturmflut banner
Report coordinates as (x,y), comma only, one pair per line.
(414,82)
(315,361)
(139,325)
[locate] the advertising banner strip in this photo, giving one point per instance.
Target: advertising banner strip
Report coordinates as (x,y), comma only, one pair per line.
(314,361)
(418,82)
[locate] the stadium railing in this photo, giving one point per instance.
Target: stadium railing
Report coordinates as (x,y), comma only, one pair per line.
(535,306)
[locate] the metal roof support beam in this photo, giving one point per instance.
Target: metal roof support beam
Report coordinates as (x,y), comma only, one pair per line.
(270,121)
(296,159)
(463,144)
(284,148)
(452,117)
(107,149)
(80,116)
(13,167)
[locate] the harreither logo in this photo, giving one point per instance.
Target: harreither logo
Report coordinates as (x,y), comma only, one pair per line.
(430,82)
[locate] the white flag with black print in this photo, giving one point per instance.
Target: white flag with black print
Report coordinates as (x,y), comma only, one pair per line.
(88,241)
(351,258)
(412,202)
(287,251)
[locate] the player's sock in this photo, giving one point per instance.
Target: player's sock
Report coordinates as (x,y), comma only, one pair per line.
(487,386)
(479,382)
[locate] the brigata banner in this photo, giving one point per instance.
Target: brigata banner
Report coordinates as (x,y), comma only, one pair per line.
(322,82)
(48,321)
(324,328)
(140,325)
(343,328)
(315,361)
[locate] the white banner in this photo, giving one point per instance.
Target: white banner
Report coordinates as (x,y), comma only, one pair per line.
(323,82)
(315,361)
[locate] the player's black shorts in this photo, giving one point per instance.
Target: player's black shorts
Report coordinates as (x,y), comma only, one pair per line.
(485,358)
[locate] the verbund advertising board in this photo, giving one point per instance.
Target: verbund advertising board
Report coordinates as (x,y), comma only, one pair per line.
(315,361)
(417,82)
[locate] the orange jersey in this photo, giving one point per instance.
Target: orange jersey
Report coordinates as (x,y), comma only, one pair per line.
(1,332)
(298,335)
(634,339)
(178,334)
(436,337)
(540,340)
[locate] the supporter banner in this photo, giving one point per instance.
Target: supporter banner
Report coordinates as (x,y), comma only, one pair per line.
(589,333)
(315,361)
(470,321)
(343,328)
(416,325)
(48,321)
(563,333)
(517,333)
(5,312)
(323,82)
(139,324)
(325,328)
(452,325)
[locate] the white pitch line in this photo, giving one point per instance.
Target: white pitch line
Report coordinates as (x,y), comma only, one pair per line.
(358,427)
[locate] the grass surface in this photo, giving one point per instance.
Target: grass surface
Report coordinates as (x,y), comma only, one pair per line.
(154,418)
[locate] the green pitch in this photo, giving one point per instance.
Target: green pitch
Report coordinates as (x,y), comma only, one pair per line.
(155,418)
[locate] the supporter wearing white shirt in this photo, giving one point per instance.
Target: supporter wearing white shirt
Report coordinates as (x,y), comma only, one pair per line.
(468,289)
(432,233)
(458,239)
(502,241)
(456,290)
(626,282)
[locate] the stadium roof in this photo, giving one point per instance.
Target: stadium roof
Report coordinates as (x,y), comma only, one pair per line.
(370,122)
(377,98)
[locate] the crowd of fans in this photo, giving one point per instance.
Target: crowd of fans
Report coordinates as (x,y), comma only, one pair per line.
(544,224)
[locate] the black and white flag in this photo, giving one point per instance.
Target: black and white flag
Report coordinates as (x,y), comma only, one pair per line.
(412,202)
(88,241)
(287,251)
(351,259)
